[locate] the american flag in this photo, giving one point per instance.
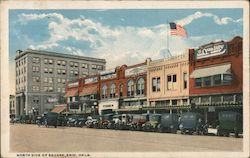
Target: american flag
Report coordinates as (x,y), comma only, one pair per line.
(177,30)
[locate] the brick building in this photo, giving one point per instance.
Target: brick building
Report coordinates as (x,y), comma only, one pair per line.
(216,71)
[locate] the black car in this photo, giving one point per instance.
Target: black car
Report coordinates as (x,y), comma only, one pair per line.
(229,122)
(169,123)
(192,122)
(51,119)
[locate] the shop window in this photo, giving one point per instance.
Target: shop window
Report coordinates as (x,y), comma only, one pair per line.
(205,100)
(140,86)
(228,98)
(130,88)
(174,102)
(216,99)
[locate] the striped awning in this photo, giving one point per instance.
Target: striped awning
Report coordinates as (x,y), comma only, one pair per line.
(210,71)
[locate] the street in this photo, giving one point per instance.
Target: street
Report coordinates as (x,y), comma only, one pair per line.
(31,138)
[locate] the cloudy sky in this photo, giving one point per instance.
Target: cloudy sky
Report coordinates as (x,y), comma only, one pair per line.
(126,36)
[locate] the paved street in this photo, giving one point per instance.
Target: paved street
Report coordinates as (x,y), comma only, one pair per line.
(31,138)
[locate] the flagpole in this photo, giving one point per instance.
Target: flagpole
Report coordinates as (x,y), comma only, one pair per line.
(168,50)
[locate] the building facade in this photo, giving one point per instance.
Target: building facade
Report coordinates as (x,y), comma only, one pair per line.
(12,106)
(41,77)
(168,84)
(216,77)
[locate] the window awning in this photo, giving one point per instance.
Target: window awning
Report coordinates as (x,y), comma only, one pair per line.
(71,93)
(210,71)
(59,108)
(88,90)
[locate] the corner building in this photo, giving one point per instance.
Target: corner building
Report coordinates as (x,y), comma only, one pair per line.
(41,78)
(168,84)
(216,71)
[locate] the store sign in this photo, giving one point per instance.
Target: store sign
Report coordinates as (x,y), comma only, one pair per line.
(210,50)
(108,74)
(136,70)
(73,84)
(91,80)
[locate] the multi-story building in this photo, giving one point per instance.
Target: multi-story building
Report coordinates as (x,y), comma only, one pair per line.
(216,72)
(41,77)
(168,88)
(12,107)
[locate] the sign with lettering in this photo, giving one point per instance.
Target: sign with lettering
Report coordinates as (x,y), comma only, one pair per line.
(108,74)
(91,80)
(52,100)
(136,70)
(212,49)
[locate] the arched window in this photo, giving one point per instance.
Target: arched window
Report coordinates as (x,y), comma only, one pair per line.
(120,89)
(130,88)
(140,86)
(104,91)
(112,90)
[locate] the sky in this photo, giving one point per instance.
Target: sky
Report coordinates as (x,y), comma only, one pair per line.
(121,36)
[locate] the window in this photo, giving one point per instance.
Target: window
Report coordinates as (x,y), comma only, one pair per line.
(58,89)
(50,70)
(76,64)
(99,67)
(227,79)
(71,64)
(63,80)
(71,72)
(130,88)
(112,90)
(171,82)
(207,81)
(34,69)
(185,80)
(36,60)
(35,88)
(50,61)
(156,84)
(50,80)
(140,86)
(94,66)
(217,79)
(45,80)
(45,70)
(104,91)
(59,80)
(85,66)
(76,73)
(63,90)
(120,89)
(63,63)
(198,82)
(58,71)
(45,61)
(50,89)
(63,72)
(59,62)
(36,79)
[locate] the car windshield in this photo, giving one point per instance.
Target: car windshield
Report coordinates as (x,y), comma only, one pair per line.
(154,117)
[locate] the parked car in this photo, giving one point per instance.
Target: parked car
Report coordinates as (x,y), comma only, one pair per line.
(62,121)
(80,122)
(51,119)
(25,119)
(17,119)
(169,123)
(229,122)
(192,122)
(105,121)
(116,121)
(152,124)
(126,120)
(138,120)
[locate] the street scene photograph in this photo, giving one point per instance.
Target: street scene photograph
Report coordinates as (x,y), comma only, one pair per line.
(125,80)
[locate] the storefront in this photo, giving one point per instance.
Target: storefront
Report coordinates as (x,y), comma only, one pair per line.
(108,106)
(216,73)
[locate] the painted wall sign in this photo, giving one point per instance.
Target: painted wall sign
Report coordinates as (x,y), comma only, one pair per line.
(136,70)
(91,80)
(210,50)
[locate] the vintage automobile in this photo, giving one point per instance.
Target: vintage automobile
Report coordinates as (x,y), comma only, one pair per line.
(17,119)
(138,120)
(125,121)
(116,121)
(25,119)
(51,119)
(191,122)
(92,121)
(105,121)
(229,122)
(169,123)
(152,124)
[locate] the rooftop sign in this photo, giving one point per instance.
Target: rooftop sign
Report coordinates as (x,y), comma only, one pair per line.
(211,50)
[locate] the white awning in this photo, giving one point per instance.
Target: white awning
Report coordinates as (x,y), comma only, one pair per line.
(210,71)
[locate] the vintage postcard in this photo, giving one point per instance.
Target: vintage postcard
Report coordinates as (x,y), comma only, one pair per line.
(124,79)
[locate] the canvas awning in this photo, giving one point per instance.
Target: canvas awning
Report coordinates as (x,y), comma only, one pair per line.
(71,92)
(88,90)
(59,108)
(210,71)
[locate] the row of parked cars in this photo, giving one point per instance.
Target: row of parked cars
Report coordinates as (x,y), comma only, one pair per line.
(188,122)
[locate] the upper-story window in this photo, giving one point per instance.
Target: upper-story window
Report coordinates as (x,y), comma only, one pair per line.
(156,84)
(50,61)
(112,90)
(35,60)
(63,63)
(120,90)
(76,64)
(171,82)
(215,80)
(94,66)
(130,88)
(50,70)
(99,67)
(140,86)
(71,64)
(45,61)
(59,62)
(104,91)
(35,69)
(185,80)
(84,65)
